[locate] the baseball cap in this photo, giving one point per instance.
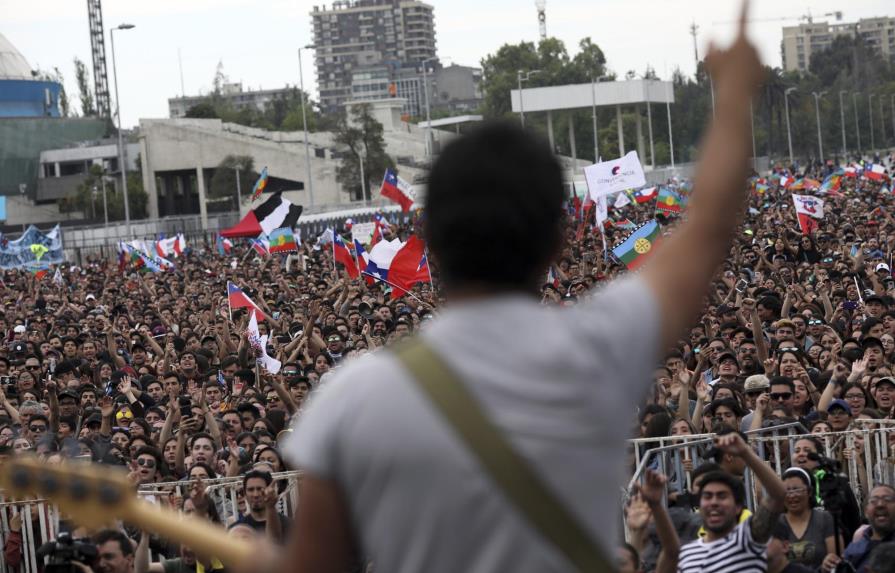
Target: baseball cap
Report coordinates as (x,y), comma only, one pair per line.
(20,329)
(756,382)
(882,267)
(90,297)
(885,380)
(837,403)
(726,355)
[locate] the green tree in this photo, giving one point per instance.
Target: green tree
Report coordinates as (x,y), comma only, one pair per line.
(362,135)
(203,110)
(223,182)
(85,94)
(88,197)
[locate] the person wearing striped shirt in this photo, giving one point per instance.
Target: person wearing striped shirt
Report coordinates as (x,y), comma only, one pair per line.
(728,545)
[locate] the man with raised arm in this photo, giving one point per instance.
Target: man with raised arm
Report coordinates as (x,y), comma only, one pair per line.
(731,545)
(385,475)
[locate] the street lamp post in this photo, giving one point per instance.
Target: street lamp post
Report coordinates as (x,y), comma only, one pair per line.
(788,129)
(670,137)
(593,94)
(363,180)
(519,80)
(854,99)
(820,139)
(649,122)
(870,114)
(121,160)
(892,102)
(842,123)
(882,118)
(428,116)
(304,123)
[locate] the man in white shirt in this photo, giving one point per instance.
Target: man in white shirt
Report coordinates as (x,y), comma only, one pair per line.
(387,478)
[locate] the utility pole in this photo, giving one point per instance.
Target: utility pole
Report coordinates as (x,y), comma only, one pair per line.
(842,123)
(854,98)
(788,129)
(820,139)
(694,30)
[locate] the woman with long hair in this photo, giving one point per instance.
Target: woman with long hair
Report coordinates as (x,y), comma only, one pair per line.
(809,530)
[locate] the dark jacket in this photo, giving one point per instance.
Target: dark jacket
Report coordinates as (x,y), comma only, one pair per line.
(858,552)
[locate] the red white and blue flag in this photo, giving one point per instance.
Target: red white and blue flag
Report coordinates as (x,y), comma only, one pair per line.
(341,254)
(410,266)
(398,190)
(646,195)
(261,247)
(238,299)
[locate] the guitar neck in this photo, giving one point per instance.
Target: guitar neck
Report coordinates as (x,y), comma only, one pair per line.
(199,535)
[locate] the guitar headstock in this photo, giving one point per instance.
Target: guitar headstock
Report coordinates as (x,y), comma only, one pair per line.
(91,494)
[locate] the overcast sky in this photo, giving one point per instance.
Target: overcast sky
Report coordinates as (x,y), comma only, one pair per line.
(257,39)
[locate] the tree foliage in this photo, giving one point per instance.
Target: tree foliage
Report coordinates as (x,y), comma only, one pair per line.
(88,198)
(85,93)
(223,182)
(848,65)
(361,135)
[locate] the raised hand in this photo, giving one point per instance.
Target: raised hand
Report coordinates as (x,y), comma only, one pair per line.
(737,68)
(731,444)
(653,487)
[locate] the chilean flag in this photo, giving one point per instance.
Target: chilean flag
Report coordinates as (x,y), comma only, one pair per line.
(398,190)
(363,261)
(646,195)
(179,244)
(341,254)
(238,299)
(408,267)
(876,172)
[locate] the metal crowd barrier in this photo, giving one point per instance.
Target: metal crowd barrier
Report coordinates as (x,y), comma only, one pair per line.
(33,534)
(223,492)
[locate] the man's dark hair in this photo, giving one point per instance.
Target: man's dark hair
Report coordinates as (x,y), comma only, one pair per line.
(734,483)
(783,381)
(772,303)
(881,558)
(268,479)
(106,535)
(494,208)
(151,451)
(705,468)
(246,407)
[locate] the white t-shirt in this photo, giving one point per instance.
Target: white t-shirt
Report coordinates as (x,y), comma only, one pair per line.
(560,383)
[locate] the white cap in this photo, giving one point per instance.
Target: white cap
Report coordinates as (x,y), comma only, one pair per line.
(882,267)
(20,329)
(90,297)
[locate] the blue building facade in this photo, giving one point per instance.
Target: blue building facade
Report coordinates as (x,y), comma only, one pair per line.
(29,98)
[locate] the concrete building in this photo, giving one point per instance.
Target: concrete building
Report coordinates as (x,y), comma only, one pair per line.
(802,41)
(233,94)
(179,158)
(457,88)
(63,170)
(363,47)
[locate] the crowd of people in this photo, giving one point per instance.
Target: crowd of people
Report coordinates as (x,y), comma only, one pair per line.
(158,374)
(155,373)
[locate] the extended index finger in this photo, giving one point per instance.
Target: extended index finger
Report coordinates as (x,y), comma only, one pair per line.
(744,18)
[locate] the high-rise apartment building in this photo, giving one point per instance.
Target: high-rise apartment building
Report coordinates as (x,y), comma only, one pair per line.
(800,42)
(371,49)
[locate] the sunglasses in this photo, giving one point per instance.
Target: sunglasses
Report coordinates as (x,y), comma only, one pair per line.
(32,367)
(780,395)
(38,428)
(146,462)
(787,349)
(815,322)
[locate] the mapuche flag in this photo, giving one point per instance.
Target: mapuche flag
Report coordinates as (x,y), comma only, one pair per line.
(634,250)
(669,201)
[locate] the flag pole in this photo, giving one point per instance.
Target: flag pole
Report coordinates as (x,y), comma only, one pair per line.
(229,308)
(429,268)
(393,285)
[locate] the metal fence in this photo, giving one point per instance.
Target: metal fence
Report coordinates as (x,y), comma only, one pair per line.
(40,523)
(225,493)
